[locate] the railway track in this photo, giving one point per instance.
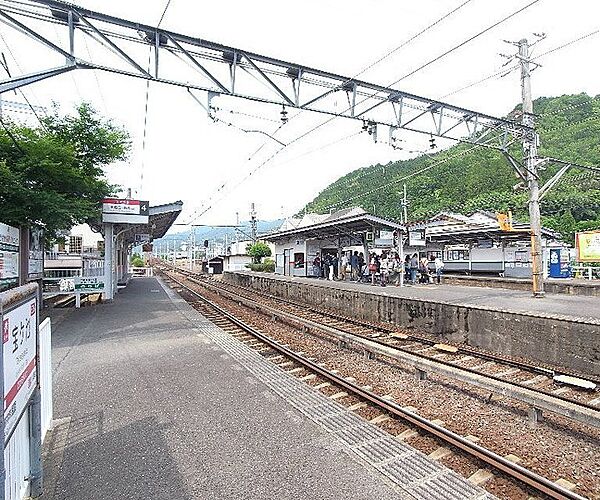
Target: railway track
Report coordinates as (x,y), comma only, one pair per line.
(531,384)
(308,369)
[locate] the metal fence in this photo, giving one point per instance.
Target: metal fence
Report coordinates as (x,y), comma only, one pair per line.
(17,461)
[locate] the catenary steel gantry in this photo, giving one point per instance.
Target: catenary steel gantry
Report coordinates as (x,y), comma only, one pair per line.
(194,63)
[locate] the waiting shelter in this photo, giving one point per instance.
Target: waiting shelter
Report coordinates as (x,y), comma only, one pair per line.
(299,240)
(478,243)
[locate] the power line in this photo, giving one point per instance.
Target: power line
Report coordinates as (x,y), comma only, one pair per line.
(408,176)
(163,14)
(385,56)
(269,159)
(437,58)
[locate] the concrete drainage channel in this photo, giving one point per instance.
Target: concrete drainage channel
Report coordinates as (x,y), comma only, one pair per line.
(386,457)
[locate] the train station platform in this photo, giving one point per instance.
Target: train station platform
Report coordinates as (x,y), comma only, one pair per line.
(154,401)
(558,329)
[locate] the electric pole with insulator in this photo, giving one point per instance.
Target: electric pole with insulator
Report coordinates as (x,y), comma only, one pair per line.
(530,145)
(253,222)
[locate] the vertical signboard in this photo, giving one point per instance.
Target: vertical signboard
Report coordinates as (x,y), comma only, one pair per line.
(19,344)
(9,256)
(35,265)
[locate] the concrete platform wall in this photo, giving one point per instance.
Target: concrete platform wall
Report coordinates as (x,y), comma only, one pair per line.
(553,341)
(566,286)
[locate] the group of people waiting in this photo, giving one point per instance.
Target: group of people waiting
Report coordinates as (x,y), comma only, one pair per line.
(383,269)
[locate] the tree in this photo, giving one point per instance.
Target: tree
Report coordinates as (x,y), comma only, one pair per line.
(258,250)
(52,175)
(136,260)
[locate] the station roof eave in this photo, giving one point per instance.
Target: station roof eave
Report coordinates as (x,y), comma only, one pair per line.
(160,220)
(521,232)
(353,225)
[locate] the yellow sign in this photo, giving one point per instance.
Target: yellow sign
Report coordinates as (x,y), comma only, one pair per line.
(588,246)
(505,221)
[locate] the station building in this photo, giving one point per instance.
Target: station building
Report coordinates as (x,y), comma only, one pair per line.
(298,241)
(474,244)
(477,244)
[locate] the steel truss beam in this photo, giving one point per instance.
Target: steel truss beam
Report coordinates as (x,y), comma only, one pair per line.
(369,102)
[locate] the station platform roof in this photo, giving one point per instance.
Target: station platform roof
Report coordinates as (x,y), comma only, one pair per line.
(353,223)
(454,228)
(160,220)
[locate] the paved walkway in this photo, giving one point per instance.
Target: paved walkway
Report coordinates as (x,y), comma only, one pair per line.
(149,406)
(570,307)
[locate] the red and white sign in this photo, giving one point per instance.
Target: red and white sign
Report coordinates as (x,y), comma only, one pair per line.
(125,211)
(19,330)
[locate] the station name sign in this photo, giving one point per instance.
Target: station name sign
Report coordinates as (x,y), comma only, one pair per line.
(125,211)
(19,331)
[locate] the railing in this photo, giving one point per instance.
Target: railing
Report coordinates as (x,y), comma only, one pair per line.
(140,272)
(586,272)
(45,374)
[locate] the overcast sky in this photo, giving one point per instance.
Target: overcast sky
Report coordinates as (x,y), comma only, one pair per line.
(188,157)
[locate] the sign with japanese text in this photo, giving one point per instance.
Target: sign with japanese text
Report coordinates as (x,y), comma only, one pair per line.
(19,330)
(125,211)
(35,266)
(9,256)
(88,283)
(416,238)
(588,246)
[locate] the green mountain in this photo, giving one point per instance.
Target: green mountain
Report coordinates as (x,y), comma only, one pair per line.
(465,181)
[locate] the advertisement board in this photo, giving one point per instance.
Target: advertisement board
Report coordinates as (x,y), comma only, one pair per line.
(35,267)
(588,246)
(9,256)
(19,331)
(125,211)
(88,283)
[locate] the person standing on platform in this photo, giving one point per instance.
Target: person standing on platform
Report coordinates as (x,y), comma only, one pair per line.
(384,268)
(344,267)
(439,268)
(333,270)
(317,265)
(414,266)
(354,264)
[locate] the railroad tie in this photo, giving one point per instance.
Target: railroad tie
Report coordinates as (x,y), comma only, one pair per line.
(593,402)
(440,453)
(380,418)
(295,370)
(535,380)
(308,377)
(480,477)
(338,395)
(323,385)
(357,406)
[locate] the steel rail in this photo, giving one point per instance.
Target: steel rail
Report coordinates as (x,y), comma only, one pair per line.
(547,371)
(526,476)
(424,357)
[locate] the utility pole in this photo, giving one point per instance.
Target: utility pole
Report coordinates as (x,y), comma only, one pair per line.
(530,145)
(403,220)
(253,222)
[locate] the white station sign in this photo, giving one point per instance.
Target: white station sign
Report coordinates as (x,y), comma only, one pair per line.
(123,211)
(19,330)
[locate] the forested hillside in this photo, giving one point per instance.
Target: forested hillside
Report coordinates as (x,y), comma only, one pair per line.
(465,181)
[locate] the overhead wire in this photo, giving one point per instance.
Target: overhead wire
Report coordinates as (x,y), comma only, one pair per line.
(437,58)
(567,44)
(386,55)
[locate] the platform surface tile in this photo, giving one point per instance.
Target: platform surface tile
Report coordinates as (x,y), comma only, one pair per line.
(153,401)
(559,306)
